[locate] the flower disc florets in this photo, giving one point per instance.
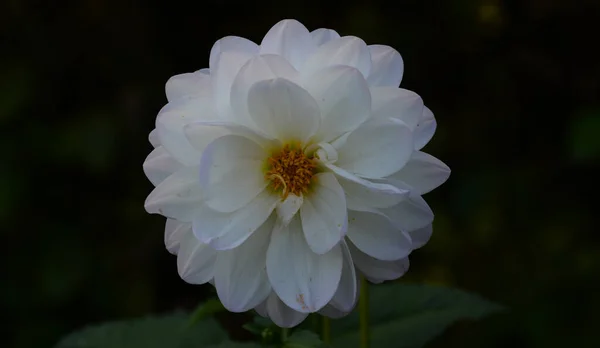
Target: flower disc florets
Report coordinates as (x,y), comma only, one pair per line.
(290,170)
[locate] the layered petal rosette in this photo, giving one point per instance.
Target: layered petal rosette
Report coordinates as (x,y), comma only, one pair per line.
(286,168)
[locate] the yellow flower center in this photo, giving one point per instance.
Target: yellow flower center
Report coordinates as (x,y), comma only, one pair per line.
(290,171)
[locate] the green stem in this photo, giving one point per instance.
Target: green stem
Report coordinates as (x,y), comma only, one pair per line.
(284,334)
(316,322)
(326,330)
(363,308)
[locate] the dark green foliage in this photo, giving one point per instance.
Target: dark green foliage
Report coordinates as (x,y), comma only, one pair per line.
(405,316)
(408,316)
(303,339)
(153,332)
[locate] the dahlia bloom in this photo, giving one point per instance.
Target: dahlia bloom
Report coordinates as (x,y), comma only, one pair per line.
(287,166)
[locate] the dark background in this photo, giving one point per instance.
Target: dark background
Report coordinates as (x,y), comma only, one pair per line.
(514,86)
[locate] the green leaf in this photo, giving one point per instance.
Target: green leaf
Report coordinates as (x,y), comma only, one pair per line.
(205,310)
(584,140)
(303,339)
(258,325)
(151,332)
(409,316)
(232,344)
(253,328)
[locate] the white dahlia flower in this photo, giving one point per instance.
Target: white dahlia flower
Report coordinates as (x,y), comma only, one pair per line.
(287,165)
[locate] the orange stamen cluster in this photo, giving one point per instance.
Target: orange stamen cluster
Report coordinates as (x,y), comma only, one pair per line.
(290,171)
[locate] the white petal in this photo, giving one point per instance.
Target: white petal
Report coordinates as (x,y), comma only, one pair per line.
(332,312)
(387,68)
(375,235)
(159,165)
(411,214)
(240,274)
(195,261)
(177,197)
(323,35)
(325,152)
(259,68)
(376,149)
(290,39)
(347,50)
(304,281)
(338,143)
(363,195)
(283,110)
(287,209)
(187,85)
(223,74)
(423,172)
(346,295)
(231,170)
(391,102)
(225,231)
(343,97)
(375,270)
(281,314)
(261,309)
(175,231)
(172,119)
(153,138)
(231,44)
(323,214)
(425,129)
(421,236)
(201,134)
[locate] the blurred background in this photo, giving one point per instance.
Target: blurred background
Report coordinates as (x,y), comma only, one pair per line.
(514,86)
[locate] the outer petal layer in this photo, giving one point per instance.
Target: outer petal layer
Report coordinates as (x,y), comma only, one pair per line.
(177,197)
(231,44)
(153,138)
(402,104)
(375,270)
(223,74)
(279,312)
(347,50)
(324,215)
(388,66)
(195,260)
(159,165)
(425,129)
(175,231)
(240,274)
(171,121)
(224,231)
(376,149)
(187,85)
(290,39)
(375,235)
(421,236)
(347,293)
(323,35)
(411,214)
(363,195)
(343,97)
(423,172)
(304,281)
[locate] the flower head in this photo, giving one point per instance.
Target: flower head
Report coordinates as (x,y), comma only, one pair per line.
(286,166)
